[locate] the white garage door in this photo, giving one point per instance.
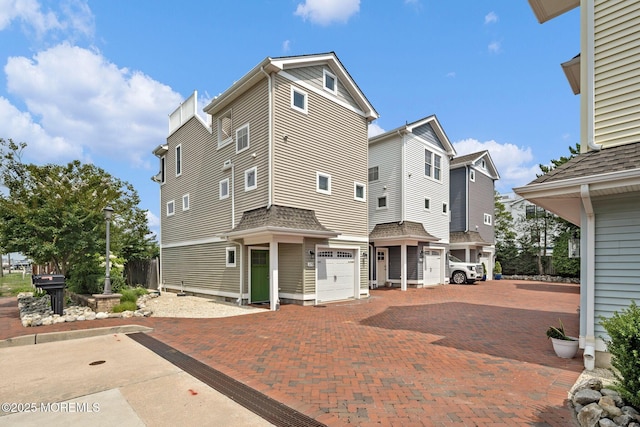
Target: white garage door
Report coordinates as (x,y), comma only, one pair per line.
(432,267)
(336,274)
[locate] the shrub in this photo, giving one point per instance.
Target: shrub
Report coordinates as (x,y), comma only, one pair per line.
(125,306)
(498,268)
(128,295)
(624,330)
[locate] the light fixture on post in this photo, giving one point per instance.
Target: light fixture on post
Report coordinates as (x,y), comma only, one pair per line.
(108,212)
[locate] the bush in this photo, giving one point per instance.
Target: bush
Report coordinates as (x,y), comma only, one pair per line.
(125,306)
(131,294)
(624,330)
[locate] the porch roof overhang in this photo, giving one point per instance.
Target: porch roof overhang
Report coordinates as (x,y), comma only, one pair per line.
(466,239)
(267,233)
(403,232)
(549,9)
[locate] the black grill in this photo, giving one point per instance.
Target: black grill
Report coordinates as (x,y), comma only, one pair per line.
(271,410)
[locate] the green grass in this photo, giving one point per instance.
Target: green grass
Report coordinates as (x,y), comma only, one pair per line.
(125,306)
(12,284)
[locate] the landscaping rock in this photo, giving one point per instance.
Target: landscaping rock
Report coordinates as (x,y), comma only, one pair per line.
(586,396)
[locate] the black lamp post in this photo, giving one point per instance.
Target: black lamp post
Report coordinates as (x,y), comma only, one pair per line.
(108,212)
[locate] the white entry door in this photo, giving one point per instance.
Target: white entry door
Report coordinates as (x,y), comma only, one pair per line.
(381,266)
(432,267)
(336,274)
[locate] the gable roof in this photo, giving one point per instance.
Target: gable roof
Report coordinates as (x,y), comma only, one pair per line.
(612,170)
(409,127)
(275,65)
(472,160)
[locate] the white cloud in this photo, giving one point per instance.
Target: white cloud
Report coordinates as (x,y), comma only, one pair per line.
(74,17)
(375,129)
(89,105)
(451,74)
(325,12)
(286,46)
(494,47)
(490,18)
(153,220)
(513,162)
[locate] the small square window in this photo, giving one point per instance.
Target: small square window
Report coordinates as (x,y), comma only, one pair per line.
(224,188)
(185,202)
(250,179)
(231,257)
(382,202)
(472,175)
(242,138)
(323,183)
(171,207)
(487,219)
(298,100)
(330,82)
(373,174)
(359,192)
(445,208)
(178,160)
(427,204)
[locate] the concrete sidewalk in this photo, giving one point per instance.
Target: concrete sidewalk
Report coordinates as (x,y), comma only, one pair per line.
(107,380)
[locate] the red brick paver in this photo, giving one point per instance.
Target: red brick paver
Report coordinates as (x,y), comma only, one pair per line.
(445,356)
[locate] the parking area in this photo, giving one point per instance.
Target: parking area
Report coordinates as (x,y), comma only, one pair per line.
(472,355)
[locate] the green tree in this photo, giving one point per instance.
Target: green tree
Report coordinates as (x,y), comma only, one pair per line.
(54,213)
(505,237)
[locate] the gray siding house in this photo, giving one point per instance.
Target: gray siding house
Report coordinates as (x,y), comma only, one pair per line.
(409,204)
(265,200)
(472,195)
(599,189)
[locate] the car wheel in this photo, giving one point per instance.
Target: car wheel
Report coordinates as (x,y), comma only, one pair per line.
(459,278)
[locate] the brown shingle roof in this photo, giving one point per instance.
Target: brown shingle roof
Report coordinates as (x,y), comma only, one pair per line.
(401,230)
(607,160)
(466,237)
(467,158)
(281,217)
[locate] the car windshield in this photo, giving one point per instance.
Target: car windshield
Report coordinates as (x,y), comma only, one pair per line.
(454,259)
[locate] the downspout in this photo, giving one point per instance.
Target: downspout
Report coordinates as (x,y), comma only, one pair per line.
(233,195)
(240,255)
(403,186)
(590,340)
(270,139)
(467,171)
(588,21)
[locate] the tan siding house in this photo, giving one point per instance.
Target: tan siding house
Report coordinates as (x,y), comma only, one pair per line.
(276,185)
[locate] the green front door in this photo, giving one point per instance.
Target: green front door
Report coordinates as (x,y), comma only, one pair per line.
(259,276)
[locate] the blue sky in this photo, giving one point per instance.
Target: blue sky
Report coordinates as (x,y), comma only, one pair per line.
(96,80)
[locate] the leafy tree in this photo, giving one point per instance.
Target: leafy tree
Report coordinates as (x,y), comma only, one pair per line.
(54,214)
(505,236)
(561,161)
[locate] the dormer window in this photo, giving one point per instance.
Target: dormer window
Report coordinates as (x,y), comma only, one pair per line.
(330,82)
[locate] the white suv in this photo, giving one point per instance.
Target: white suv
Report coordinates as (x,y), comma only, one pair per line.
(464,272)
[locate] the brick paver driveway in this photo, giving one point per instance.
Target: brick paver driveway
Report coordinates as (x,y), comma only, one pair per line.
(472,355)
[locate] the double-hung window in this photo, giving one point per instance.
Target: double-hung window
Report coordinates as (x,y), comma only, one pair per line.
(251,179)
(242,138)
(432,165)
(374,174)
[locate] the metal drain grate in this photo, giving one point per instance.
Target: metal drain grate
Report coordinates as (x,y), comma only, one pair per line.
(258,403)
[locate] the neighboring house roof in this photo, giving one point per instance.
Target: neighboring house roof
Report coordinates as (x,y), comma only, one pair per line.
(275,65)
(611,170)
(467,237)
(403,230)
(473,159)
(409,127)
(280,220)
(548,9)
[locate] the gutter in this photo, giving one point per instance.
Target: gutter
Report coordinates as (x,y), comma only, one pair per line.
(590,340)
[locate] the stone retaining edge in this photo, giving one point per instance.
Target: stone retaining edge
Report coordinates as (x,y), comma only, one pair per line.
(46,337)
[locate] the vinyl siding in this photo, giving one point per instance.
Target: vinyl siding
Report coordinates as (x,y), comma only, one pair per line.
(458,197)
(617,72)
(290,262)
(313,76)
(202,268)
(427,133)
(617,254)
(482,201)
(419,186)
(330,139)
(387,156)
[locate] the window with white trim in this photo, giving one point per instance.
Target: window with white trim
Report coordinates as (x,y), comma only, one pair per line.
(437,166)
(472,175)
(330,82)
(373,173)
(427,204)
(483,164)
(487,219)
(382,202)
(224,129)
(359,192)
(242,138)
(224,188)
(185,202)
(163,169)
(432,165)
(230,256)
(445,208)
(298,100)
(323,183)
(178,159)
(171,207)
(251,179)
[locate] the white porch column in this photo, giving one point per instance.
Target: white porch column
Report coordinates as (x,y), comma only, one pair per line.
(403,265)
(274,302)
